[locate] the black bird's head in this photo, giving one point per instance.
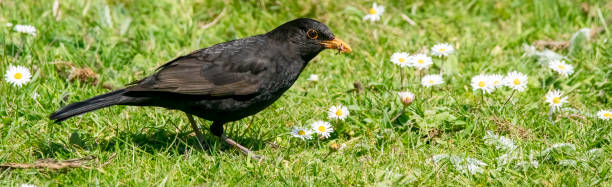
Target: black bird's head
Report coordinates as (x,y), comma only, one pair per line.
(309,36)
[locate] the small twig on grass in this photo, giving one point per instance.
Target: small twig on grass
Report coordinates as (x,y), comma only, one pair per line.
(214,21)
(187,152)
(573,116)
(555,45)
(109,160)
(358,87)
(52,164)
(407,19)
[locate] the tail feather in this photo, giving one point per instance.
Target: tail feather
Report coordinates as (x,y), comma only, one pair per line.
(94,103)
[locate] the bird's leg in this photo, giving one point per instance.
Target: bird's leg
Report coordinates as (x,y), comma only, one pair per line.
(217,129)
(197,131)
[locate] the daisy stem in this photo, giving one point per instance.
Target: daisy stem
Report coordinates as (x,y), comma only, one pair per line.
(441,63)
(21,47)
(509,98)
(420,75)
(401,78)
(420,79)
(398,115)
(550,115)
(431,92)
(482,98)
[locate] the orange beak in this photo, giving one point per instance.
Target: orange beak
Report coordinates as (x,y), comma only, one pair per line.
(337,44)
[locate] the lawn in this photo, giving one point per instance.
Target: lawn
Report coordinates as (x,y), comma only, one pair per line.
(449,135)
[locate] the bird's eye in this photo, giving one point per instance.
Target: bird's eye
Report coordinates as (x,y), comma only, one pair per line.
(312,34)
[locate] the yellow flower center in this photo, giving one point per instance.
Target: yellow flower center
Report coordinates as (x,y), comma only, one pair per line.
(431,81)
(372,11)
(18,75)
(322,128)
(481,84)
(442,49)
(561,67)
(556,100)
(607,115)
(401,60)
(407,100)
(421,61)
(301,132)
(516,82)
(338,112)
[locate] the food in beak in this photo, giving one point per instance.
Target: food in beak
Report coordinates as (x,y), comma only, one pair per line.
(337,44)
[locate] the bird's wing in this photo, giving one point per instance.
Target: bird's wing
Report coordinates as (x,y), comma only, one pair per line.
(228,69)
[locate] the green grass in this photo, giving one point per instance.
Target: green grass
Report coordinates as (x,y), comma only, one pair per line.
(123,41)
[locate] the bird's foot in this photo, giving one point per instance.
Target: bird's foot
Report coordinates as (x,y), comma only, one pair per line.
(242,149)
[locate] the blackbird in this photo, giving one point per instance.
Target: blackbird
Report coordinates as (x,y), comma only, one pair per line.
(224,82)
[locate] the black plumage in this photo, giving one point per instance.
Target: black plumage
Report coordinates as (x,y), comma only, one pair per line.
(227,81)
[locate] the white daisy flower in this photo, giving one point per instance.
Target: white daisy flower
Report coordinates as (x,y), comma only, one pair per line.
(322,128)
(28,29)
(516,80)
(301,133)
(421,61)
(17,75)
(9,24)
(401,59)
(35,95)
(442,49)
(313,77)
(561,67)
(482,82)
(406,97)
(555,99)
(497,80)
(374,13)
(338,112)
(605,114)
(27,185)
(431,80)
